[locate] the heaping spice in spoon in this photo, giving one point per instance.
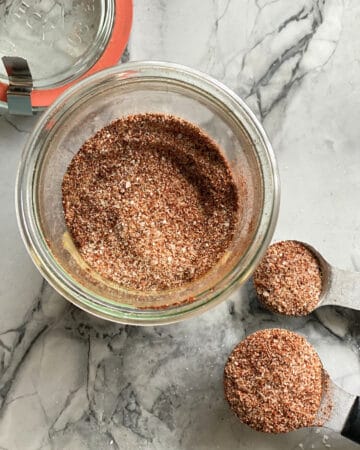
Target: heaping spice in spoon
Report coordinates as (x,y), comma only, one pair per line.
(288,279)
(274,382)
(150,202)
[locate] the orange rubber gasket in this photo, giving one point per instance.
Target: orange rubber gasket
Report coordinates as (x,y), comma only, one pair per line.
(111,55)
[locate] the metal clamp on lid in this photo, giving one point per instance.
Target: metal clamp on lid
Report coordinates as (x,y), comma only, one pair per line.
(20,85)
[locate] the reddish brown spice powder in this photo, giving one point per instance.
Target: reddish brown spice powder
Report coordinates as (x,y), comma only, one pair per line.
(288,280)
(150,202)
(274,381)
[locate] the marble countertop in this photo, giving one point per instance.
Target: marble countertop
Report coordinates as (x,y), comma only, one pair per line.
(70,381)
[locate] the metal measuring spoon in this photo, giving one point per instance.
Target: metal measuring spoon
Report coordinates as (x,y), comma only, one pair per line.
(278,270)
(275,382)
(274,379)
(344,417)
(339,287)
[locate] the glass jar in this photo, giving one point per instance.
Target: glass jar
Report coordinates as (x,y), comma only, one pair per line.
(91,104)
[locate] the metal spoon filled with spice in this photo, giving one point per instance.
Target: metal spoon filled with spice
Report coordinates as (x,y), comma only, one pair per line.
(274,382)
(294,279)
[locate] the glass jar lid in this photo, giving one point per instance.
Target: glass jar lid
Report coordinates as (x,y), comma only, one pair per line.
(59,42)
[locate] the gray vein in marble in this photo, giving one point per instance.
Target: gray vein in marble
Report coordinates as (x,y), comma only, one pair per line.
(265,3)
(129,412)
(15,126)
(355,263)
(126,55)
(27,334)
(165,404)
(222,15)
(296,52)
(22,339)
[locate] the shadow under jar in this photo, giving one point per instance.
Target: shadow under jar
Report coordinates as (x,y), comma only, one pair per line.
(133,88)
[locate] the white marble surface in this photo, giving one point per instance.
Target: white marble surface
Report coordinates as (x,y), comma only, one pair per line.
(69,381)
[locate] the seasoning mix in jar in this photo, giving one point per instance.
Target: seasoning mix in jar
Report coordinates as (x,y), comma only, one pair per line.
(150,202)
(141,154)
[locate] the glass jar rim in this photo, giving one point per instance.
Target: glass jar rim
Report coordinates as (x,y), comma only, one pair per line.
(105,308)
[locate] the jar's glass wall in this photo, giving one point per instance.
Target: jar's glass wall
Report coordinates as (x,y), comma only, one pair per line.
(97,110)
(93,103)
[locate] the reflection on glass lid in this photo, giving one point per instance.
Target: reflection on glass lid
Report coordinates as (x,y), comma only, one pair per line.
(60,39)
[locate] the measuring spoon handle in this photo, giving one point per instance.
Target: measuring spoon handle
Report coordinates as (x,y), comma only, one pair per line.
(343,289)
(351,428)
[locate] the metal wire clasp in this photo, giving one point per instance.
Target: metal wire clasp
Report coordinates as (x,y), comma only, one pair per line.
(20,85)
